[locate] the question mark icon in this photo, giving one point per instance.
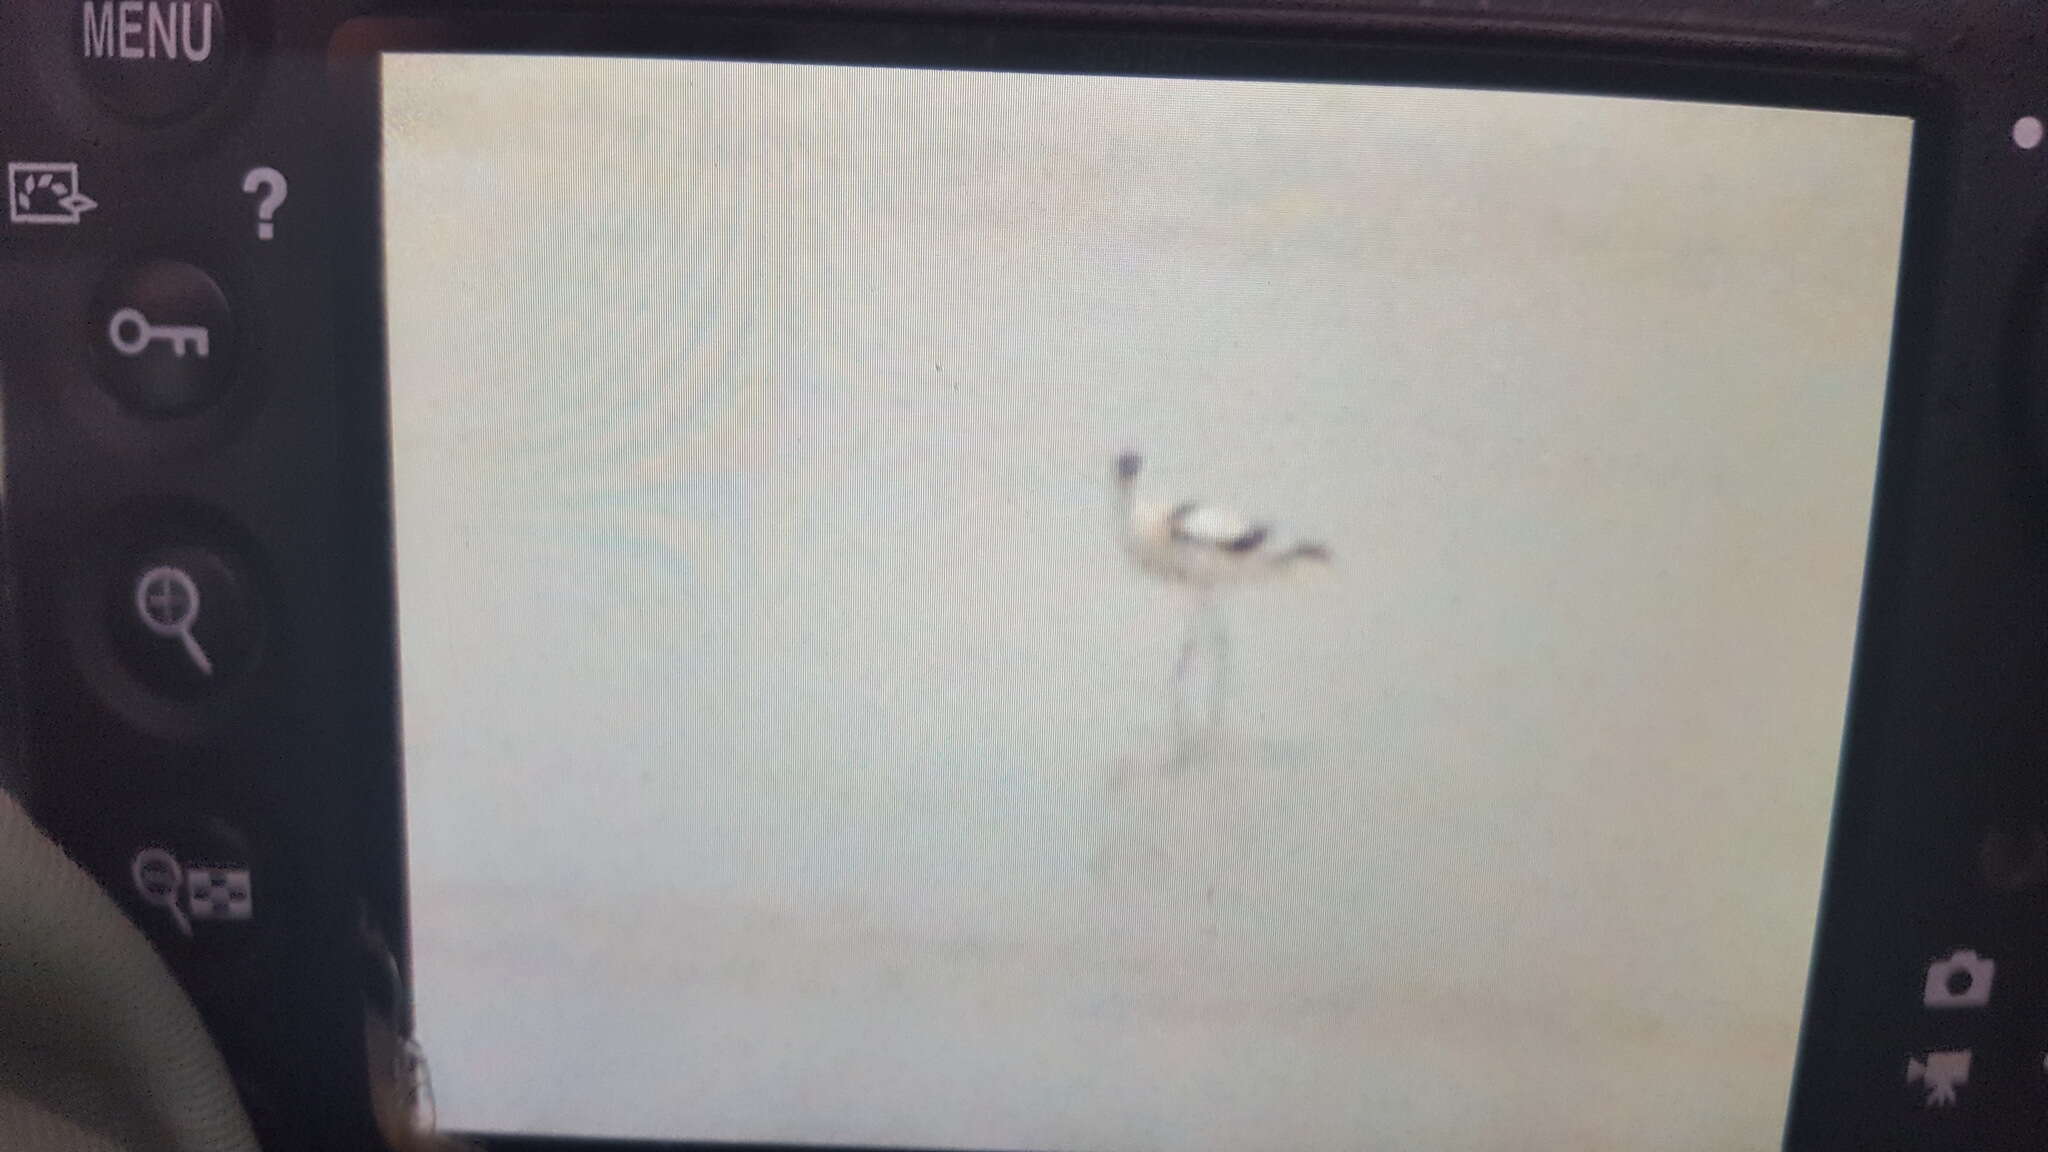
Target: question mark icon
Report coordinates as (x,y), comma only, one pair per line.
(270,182)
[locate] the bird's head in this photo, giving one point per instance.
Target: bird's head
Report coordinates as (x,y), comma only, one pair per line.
(1128,465)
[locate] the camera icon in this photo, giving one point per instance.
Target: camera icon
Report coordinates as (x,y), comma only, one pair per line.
(1960,980)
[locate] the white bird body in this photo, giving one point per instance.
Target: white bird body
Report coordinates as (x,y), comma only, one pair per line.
(1200,544)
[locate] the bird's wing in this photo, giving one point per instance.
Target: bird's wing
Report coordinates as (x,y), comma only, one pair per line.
(1198,523)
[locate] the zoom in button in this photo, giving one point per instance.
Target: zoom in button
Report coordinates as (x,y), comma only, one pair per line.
(184,619)
(163,338)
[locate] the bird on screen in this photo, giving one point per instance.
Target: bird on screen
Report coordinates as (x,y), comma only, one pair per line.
(1202,547)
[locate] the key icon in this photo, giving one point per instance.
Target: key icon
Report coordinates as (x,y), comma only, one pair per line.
(131,334)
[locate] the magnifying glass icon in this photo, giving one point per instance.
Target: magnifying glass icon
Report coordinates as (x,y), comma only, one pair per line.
(167,600)
(158,877)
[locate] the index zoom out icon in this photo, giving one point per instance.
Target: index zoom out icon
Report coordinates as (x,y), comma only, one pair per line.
(1960,980)
(188,892)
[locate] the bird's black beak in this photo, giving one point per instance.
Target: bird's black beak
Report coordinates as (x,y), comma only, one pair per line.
(1127,465)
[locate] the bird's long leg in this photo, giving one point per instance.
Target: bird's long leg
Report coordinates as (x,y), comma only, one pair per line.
(1188,644)
(1219,655)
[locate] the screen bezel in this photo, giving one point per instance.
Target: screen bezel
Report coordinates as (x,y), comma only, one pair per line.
(1831,1093)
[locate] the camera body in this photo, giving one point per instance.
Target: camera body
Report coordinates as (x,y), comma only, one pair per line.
(198,535)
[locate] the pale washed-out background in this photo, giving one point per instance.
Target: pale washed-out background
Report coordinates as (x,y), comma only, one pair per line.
(786,739)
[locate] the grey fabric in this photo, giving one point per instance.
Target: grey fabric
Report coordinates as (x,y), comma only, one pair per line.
(100,1050)
(26,1126)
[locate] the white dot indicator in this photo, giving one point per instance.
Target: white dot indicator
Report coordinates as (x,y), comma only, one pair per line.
(2027,132)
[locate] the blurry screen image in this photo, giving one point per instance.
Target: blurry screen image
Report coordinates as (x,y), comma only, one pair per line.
(979,610)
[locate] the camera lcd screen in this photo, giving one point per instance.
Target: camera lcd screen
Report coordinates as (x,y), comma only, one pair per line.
(984,610)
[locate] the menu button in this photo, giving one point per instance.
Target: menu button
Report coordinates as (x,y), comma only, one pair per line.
(153,60)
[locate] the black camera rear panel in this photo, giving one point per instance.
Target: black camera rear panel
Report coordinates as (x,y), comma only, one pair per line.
(207,166)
